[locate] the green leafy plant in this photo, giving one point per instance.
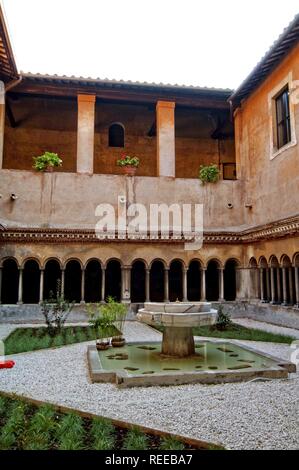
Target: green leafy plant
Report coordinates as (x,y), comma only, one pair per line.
(104,318)
(103,434)
(135,440)
(71,433)
(48,159)
(209,173)
(126,160)
(170,443)
(56,310)
(223,320)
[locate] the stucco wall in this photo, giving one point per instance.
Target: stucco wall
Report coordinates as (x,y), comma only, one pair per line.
(69,200)
(270,185)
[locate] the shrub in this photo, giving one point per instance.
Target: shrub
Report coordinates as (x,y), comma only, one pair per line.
(223,320)
(46,160)
(126,160)
(56,310)
(209,173)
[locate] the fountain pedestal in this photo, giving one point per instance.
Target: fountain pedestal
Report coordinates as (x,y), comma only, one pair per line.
(178,342)
(178,319)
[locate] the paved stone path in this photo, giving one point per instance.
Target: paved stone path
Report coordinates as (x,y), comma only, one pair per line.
(258,325)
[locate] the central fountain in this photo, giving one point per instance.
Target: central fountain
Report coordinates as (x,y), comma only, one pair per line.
(178,359)
(178,319)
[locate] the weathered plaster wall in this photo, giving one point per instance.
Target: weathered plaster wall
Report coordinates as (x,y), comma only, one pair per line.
(42,125)
(270,185)
(69,200)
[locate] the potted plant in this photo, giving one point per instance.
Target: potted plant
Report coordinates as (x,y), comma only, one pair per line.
(129,164)
(101,318)
(209,173)
(47,162)
(119,313)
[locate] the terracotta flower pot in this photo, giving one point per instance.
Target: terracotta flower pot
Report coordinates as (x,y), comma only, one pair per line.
(130,170)
(118,342)
(49,169)
(102,346)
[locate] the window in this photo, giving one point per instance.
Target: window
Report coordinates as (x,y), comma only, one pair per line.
(116,135)
(283,124)
(229,171)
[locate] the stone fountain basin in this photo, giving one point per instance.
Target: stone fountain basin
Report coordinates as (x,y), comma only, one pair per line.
(177,315)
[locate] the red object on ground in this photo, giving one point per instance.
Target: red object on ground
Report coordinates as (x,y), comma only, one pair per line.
(7,364)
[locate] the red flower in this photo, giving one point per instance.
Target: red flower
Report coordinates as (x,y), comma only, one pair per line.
(7,364)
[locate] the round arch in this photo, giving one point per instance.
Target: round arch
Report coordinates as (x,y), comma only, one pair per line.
(194,280)
(52,277)
(113,279)
(72,280)
(31,281)
(93,280)
(10,281)
(138,281)
(157,268)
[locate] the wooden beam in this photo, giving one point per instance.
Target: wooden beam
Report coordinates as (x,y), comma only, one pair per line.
(153,130)
(13,123)
(121,94)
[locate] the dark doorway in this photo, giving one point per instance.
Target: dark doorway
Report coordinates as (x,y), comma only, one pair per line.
(72,289)
(113,280)
(230,287)
(194,281)
(31,281)
(138,282)
(93,281)
(10,282)
(176,281)
(51,277)
(157,282)
(212,281)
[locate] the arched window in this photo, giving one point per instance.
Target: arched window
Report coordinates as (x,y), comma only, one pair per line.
(116,135)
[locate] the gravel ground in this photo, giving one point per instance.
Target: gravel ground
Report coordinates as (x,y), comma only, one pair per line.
(256,415)
(258,325)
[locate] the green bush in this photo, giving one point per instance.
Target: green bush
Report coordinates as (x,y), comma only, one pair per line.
(223,321)
(209,173)
(47,159)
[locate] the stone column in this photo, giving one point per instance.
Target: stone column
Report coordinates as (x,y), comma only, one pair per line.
(126,284)
(41,286)
(62,282)
(297,285)
(0,284)
(291,285)
(2,120)
(221,284)
(165,138)
(272,285)
(203,294)
(85,133)
(83,286)
(166,284)
(147,285)
(185,291)
(103,284)
(284,286)
(268,284)
(20,291)
(278,285)
(263,299)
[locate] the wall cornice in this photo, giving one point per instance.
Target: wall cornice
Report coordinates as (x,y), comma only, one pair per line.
(280,229)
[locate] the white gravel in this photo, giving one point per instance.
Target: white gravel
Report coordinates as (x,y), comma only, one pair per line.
(256,415)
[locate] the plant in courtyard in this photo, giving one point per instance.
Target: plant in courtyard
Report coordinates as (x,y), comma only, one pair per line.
(135,440)
(209,173)
(56,310)
(223,320)
(126,160)
(101,318)
(46,161)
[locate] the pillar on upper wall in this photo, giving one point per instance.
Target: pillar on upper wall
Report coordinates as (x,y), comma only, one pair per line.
(2,120)
(85,133)
(165,138)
